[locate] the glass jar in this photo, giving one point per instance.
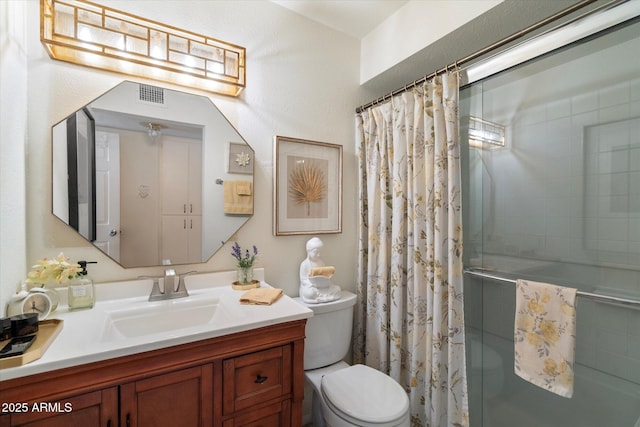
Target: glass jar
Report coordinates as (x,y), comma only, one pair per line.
(245,275)
(81,293)
(53,296)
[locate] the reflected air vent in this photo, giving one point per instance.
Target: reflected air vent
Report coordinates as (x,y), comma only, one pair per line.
(151,94)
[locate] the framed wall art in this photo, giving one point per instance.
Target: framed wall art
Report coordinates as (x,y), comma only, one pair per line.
(307,187)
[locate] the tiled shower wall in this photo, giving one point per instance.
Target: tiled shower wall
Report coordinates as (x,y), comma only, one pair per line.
(568,184)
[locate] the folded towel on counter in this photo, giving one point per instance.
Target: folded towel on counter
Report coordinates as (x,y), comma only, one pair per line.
(261,296)
(238,198)
(544,335)
(322,271)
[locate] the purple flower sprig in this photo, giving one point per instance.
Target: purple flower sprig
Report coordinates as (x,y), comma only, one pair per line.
(244,260)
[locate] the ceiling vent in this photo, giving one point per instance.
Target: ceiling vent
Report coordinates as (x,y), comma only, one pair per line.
(151,94)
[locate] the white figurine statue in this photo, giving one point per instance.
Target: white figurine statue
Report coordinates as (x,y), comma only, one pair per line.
(315,279)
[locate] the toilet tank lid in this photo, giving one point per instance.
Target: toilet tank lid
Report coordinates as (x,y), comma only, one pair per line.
(365,394)
(347,299)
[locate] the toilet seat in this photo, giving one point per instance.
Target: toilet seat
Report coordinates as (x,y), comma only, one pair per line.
(362,394)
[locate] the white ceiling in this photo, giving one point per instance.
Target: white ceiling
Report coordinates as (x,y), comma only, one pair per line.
(354,17)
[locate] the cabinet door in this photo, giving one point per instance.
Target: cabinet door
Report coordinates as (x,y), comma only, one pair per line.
(182,238)
(95,409)
(194,232)
(175,239)
(182,398)
(174,174)
(181,178)
(195,179)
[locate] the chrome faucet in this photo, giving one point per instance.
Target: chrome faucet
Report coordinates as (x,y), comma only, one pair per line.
(169,281)
(173,286)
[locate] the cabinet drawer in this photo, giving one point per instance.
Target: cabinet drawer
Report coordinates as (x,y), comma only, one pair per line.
(274,415)
(255,378)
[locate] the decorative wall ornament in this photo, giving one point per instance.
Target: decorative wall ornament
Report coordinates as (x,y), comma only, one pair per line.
(307,187)
(241,158)
(144,191)
(96,36)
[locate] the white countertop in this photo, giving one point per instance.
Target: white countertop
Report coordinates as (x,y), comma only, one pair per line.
(82,339)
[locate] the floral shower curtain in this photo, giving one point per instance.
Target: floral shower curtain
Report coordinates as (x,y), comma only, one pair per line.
(410,314)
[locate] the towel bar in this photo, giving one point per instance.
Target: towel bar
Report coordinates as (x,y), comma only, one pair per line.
(596,297)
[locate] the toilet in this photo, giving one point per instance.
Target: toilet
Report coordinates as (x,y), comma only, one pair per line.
(345,395)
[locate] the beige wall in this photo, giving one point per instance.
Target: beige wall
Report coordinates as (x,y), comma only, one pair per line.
(13,138)
(302,81)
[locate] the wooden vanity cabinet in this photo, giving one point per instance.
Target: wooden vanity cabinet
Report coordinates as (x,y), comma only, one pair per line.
(180,398)
(253,378)
(97,408)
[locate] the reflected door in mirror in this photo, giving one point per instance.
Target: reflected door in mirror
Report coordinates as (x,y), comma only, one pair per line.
(108,193)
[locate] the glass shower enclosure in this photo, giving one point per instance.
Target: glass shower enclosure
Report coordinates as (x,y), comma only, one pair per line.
(552,177)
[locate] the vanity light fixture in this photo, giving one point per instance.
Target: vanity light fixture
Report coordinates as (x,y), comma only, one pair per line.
(486,135)
(96,36)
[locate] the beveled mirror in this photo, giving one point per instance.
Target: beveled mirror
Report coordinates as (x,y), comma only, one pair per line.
(151,176)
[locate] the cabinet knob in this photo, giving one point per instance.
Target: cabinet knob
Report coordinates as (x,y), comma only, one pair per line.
(113,232)
(260,379)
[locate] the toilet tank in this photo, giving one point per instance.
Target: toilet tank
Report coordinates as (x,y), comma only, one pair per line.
(328,331)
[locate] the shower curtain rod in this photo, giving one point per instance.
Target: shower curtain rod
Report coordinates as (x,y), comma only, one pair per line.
(479,53)
(596,297)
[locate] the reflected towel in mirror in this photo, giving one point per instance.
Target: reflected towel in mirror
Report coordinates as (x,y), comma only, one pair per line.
(238,197)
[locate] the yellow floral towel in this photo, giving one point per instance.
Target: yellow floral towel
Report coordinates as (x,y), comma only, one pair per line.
(544,337)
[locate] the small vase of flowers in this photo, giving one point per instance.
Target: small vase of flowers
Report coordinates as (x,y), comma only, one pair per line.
(49,273)
(244,265)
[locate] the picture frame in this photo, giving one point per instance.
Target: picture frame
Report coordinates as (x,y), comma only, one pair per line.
(307,187)
(240,158)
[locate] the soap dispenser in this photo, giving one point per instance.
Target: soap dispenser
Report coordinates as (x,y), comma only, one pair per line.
(81,292)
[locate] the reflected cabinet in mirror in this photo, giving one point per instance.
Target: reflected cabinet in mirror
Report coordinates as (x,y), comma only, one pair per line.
(151,176)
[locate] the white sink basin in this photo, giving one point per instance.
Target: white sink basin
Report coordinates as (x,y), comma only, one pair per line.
(147,318)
